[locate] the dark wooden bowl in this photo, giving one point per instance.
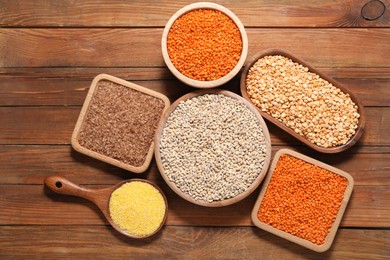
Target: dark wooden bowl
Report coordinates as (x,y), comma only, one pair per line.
(225,202)
(336,149)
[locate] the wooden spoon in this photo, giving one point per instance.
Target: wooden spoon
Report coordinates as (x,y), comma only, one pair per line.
(100,197)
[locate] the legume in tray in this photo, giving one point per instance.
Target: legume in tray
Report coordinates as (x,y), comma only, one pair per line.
(302,199)
(212,147)
(302,100)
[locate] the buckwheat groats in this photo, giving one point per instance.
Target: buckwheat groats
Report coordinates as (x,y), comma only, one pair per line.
(119,123)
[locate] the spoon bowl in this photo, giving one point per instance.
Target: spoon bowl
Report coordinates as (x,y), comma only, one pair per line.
(100,197)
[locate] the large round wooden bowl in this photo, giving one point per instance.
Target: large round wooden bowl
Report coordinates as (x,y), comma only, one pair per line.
(199,83)
(255,183)
(335,149)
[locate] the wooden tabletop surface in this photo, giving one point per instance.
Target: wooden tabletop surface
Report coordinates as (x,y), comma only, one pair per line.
(51,50)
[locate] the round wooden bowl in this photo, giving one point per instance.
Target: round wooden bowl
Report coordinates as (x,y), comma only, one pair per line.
(255,183)
(336,149)
(199,83)
(101,198)
(126,233)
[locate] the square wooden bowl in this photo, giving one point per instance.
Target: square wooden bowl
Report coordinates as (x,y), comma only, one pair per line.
(84,111)
(303,242)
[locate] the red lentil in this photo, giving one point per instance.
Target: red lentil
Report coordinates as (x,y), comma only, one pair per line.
(204,44)
(302,199)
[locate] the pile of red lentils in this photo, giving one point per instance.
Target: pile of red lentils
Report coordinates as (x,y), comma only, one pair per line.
(204,44)
(302,199)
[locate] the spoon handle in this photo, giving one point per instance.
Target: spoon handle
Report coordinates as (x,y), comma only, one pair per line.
(64,186)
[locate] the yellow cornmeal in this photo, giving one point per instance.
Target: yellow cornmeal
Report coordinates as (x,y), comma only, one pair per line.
(138,208)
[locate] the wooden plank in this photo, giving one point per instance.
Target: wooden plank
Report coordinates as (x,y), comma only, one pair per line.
(72,91)
(141,47)
(115,13)
(31,164)
(35,205)
(37,124)
(182,243)
(371,92)
(130,73)
(54,125)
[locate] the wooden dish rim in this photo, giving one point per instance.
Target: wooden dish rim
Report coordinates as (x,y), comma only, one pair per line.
(74,139)
(199,83)
(254,184)
(303,242)
(276,51)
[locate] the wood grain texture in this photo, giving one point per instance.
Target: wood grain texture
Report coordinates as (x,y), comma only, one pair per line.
(181,243)
(32,163)
(162,73)
(25,205)
(88,73)
(54,125)
(141,47)
(51,50)
(116,13)
(71,91)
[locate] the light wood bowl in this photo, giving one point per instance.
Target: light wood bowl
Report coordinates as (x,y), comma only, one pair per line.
(336,149)
(78,147)
(100,197)
(332,232)
(187,197)
(199,83)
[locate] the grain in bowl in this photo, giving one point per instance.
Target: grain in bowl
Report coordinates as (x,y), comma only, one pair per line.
(138,208)
(213,148)
(204,45)
(117,123)
(303,101)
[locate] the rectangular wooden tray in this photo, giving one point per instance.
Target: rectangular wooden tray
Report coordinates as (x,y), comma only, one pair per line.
(74,141)
(336,149)
(332,232)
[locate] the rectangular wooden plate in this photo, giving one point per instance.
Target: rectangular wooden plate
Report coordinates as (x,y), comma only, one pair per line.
(336,149)
(75,143)
(303,242)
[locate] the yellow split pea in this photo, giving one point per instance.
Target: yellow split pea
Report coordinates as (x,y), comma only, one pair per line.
(138,208)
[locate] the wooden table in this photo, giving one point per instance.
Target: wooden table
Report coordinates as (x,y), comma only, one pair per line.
(51,50)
